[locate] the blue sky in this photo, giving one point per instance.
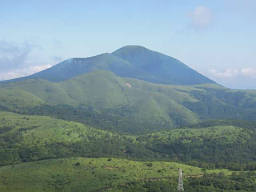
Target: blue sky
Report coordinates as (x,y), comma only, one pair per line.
(215,37)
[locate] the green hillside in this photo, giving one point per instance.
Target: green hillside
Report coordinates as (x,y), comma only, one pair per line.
(220,103)
(15,99)
(103,100)
(40,153)
(29,138)
(26,138)
(106,101)
(217,146)
(103,174)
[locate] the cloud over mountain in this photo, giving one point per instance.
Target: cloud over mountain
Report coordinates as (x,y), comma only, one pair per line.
(235,72)
(18,60)
(13,56)
(243,78)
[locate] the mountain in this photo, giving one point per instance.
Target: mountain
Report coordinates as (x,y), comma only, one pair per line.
(159,68)
(103,100)
(129,61)
(126,105)
(112,122)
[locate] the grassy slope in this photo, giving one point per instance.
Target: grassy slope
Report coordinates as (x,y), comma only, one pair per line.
(128,109)
(16,99)
(214,102)
(87,174)
(126,105)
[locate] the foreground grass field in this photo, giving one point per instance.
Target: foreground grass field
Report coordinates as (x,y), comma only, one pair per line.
(90,174)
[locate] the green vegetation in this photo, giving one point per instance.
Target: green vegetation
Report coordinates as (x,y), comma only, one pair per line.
(79,127)
(16,100)
(106,101)
(30,138)
(103,100)
(88,174)
(238,182)
(221,103)
(26,138)
(210,147)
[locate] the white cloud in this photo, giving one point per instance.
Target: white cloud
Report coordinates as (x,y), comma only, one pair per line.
(249,72)
(232,73)
(227,73)
(22,72)
(18,60)
(13,56)
(201,17)
(237,78)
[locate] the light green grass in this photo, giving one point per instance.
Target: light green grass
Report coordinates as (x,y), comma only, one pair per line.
(87,174)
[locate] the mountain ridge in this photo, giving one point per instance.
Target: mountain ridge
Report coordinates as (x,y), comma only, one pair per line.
(129,61)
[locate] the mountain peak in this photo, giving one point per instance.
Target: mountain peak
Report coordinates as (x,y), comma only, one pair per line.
(132,47)
(132,61)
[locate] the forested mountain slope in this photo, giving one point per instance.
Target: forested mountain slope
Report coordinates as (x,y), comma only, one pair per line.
(126,105)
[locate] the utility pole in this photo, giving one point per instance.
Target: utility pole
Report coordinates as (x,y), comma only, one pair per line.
(180,185)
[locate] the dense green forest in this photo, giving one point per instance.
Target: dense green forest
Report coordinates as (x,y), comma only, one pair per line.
(31,138)
(26,138)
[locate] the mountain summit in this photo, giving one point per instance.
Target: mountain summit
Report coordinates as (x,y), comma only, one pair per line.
(159,68)
(129,61)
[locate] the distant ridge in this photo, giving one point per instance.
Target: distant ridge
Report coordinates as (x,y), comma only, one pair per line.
(130,61)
